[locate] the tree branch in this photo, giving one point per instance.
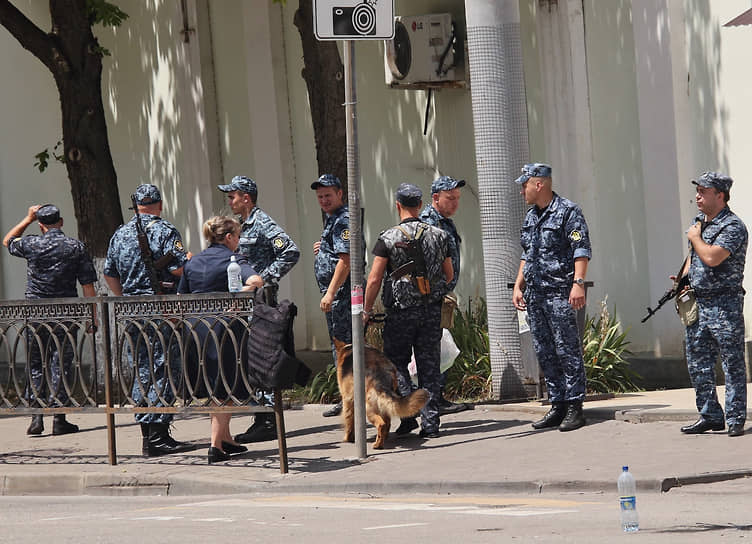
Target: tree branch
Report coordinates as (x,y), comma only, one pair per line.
(29,35)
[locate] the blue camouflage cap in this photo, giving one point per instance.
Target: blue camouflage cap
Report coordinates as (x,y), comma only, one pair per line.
(243,184)
(146,194)
(446,183)
(408,195)
(714,179)
(48,214)
(534,170)
(327,180)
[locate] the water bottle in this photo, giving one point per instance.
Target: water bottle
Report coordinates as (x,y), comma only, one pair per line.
(234,279)
(628,501)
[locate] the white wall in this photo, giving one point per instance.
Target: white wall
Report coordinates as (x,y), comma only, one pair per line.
(30,110)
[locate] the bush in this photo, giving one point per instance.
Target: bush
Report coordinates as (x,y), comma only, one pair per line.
(469,378)
(603,347)
(323,387)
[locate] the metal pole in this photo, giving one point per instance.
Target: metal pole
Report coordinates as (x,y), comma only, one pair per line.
(356,249)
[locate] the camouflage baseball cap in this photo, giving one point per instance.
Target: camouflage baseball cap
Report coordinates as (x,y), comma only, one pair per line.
(534,170)
(408,195)
(446,183)
(327,180)
(243,184)
(714,179)
(48,214)
(147,193)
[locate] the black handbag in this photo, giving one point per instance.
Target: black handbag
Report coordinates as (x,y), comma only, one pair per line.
(272,363)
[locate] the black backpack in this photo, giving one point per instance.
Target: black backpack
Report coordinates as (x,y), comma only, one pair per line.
(271,346)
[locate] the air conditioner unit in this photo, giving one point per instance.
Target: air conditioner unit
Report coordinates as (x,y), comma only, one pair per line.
(422,50)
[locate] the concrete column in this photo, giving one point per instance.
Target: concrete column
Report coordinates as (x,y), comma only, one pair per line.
(501,142)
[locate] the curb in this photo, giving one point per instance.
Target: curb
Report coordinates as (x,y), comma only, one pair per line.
(102,484)
(636,415)
(706,478)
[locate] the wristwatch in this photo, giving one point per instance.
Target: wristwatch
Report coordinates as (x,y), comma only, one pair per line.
(579,281)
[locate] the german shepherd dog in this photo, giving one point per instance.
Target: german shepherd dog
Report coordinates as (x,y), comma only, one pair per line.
(383,400)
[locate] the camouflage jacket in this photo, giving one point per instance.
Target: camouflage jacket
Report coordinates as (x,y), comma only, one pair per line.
(729,232)
(54,262)
(125,262)
(335,239)
(403,292)
(551,242)
(270,250)
(431,216)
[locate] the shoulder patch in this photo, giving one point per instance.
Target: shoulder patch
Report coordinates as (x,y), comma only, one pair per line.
(575,236)
(279,243)
(179,245)
(345,235)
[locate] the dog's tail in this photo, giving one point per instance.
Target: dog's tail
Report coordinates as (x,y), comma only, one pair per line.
(403,406)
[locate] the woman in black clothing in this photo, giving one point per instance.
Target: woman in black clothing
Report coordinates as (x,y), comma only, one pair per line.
(207,273)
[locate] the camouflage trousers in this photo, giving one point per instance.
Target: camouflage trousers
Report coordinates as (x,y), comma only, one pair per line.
(719,330)
(418,330)
(156,346)
(48,374)
(557,344)
(339,322)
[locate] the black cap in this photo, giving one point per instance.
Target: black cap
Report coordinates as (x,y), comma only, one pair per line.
(49,214)
(327,180)
(408,195)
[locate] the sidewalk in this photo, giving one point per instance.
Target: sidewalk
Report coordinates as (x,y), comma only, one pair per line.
(491,449)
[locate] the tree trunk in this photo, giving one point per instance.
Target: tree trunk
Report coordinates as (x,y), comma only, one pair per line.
(325,78)
(72,54)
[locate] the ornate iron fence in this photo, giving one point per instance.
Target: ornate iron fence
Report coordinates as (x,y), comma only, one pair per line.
(145,354)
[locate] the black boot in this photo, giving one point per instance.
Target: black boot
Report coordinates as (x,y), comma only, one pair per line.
(574,418)
(37,425)
(161,443)
(61,426)
(264,428)
(334,410)
(145,439)
(554,417)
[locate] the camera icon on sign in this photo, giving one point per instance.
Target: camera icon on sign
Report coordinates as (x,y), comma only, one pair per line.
(359,19)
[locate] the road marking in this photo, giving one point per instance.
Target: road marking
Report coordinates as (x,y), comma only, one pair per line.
(157,518)
(401,525)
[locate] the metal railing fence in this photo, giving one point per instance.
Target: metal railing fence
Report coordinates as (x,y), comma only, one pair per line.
(142,354)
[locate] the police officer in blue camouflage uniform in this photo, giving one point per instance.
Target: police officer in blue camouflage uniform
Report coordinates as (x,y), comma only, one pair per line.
(718,248)
(550,285)
(332,264)
(412,260)
(272,253)
(445,199)
(54,263)
(126,274)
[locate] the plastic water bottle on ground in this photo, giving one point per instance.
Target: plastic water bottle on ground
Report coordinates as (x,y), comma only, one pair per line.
(234,279)
(628,501)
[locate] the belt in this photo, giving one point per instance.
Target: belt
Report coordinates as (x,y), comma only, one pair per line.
(711,293)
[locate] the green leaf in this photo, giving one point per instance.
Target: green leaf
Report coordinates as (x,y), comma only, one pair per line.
(105,13)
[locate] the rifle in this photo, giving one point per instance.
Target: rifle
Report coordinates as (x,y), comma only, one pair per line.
(147,256)
(679,284)
(417,264)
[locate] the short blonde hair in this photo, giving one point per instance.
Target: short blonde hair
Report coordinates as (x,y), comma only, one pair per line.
(216,228)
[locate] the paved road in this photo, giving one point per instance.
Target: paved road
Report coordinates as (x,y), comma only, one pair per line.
(713,513)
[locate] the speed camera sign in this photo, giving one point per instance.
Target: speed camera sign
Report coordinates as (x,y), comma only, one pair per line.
(353,19)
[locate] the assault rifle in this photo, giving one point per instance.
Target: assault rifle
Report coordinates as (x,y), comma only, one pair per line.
(148,257)
(417,264)
(676,288)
